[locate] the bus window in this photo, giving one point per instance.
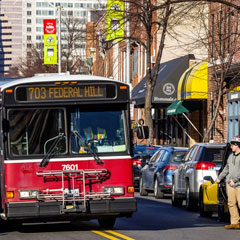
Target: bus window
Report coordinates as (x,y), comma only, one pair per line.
(102,131)
(34,131)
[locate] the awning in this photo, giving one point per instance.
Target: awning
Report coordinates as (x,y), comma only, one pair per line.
(193,83)
(176,108)
(165,91)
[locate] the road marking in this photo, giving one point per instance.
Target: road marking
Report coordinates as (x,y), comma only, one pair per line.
(119,235)
(105,235)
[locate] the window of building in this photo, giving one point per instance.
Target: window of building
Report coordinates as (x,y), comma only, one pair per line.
(29,38)
(70,5)
(70,13)
(39,20)
(29,29)
(29,21)
(29,13)
(29,4)
(29,45)
(38,29)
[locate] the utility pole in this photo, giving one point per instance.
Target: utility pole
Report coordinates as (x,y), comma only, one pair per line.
(128,46)
(59,9)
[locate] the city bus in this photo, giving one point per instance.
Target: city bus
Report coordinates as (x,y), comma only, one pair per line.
(66,147)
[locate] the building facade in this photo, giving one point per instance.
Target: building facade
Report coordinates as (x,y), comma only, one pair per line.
(23,24)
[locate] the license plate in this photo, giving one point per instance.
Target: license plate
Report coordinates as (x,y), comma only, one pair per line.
(74,192)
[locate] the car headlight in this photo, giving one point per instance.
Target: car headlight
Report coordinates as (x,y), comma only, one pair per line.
(28,194)
(114,190)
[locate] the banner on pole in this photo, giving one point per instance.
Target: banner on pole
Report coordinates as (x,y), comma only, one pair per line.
(50,41)
(114,20)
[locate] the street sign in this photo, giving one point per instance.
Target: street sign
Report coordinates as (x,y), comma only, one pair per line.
(50,41)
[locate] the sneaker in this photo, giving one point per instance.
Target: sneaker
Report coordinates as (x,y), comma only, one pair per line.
(232,226)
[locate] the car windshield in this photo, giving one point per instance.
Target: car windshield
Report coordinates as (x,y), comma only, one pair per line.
(213,155)
(177,156)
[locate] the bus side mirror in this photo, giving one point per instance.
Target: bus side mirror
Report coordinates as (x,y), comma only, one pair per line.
(143,132)
(5,125)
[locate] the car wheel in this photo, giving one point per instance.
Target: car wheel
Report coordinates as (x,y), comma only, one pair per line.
(190,203)
(142,191)
(222,215)
(107,222)
(176,202)
(202,211)
(157,192)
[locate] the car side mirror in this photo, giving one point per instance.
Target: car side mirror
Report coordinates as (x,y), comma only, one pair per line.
(208,178)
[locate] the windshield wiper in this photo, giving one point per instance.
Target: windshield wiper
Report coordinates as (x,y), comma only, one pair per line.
(52,151)
(82,142)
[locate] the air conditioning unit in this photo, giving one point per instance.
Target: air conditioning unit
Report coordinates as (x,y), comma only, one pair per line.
(152,59)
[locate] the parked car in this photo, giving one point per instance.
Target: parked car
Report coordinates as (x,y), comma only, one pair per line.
(202,159)
(156,175)
(142,153)
(212,196)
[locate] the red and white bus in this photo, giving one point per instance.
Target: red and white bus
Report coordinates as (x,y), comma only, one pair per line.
(65,149)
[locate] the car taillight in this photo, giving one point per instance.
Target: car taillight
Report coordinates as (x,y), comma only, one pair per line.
(137,162)
(204,165)
(170,167)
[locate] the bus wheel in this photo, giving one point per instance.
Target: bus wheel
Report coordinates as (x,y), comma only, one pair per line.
(107,222)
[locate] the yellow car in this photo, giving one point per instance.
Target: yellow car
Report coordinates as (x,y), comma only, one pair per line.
(208,200)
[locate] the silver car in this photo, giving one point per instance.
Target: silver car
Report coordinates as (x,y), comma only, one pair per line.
(202,159)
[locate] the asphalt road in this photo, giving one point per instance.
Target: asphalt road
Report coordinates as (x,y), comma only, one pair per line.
(155,219)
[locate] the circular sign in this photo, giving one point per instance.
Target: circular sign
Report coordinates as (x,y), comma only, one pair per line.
(168,88)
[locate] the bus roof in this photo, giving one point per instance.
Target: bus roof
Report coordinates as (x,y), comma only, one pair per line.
(51,77)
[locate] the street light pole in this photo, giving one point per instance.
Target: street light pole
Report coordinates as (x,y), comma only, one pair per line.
(59,8)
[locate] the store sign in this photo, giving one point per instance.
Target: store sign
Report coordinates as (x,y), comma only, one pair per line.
(50,41)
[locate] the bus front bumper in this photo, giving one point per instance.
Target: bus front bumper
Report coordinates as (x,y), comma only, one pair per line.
(25,210)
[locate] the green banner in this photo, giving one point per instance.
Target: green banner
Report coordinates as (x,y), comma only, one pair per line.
(115,21)
(50,49)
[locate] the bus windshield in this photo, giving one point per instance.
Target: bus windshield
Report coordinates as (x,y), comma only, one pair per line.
(35,131)
(99,131)
(72,130)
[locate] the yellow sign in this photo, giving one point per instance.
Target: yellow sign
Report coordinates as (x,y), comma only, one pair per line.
(114,21)
(50,49)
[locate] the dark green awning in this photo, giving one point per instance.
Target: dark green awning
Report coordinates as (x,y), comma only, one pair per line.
(176,108)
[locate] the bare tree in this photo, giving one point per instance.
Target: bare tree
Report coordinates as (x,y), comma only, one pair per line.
(72,52)
(32,64)
(147,17)
(224,37)
(74,36)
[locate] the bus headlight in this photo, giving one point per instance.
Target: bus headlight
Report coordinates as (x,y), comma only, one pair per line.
(114,190)
(28,194)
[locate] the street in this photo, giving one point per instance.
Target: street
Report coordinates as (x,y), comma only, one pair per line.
(155,219)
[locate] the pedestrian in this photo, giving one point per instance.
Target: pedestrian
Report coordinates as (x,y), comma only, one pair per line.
(232,173)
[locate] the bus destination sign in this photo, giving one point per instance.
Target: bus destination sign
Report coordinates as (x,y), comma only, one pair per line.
(44,93)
